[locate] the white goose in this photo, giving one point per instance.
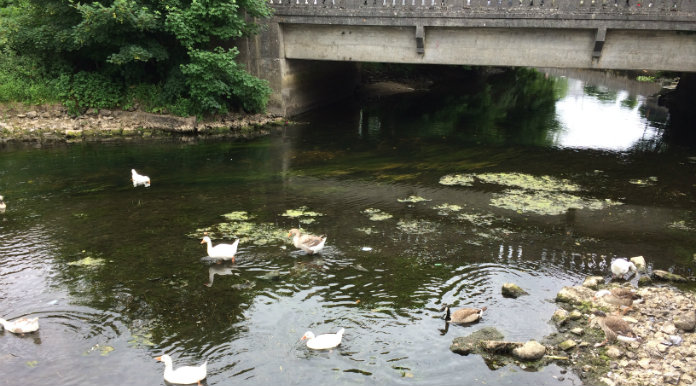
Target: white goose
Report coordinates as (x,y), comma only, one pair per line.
(139,179)
(3,206)
(21,325)
(183,375)
(324,341)
(221,251)
(309,243)
(620,267)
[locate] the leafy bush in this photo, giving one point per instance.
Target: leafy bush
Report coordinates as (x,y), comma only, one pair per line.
(88,90)
(22,80)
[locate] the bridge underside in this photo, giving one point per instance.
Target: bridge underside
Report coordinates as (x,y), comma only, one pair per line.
(532,47)
(310,64)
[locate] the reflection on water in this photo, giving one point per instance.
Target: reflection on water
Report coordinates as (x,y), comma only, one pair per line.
(115,273)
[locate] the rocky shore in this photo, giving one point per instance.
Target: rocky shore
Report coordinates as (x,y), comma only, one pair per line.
(53,123)
(665,320)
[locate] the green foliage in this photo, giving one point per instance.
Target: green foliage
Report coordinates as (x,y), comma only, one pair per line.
(178,47)
(22,80)
(88,90)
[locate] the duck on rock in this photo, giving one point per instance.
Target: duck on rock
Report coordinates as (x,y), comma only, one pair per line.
(622,267)
(615,328)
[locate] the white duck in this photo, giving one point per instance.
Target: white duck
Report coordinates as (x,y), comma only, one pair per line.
(620,267)
(324,341)
(139,179)
(183,375)
(221,251)
(21,325)
(309,243)
(3,206)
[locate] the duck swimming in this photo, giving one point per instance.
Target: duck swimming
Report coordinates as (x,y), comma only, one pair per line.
(221,251)
(309,243)
(139,179)
(3,206)
(21,325)
(324,341)
(464,315)
(183,375)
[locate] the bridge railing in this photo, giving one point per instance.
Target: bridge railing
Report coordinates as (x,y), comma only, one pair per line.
(495,6)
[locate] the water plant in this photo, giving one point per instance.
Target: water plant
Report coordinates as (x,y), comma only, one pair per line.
(376,214)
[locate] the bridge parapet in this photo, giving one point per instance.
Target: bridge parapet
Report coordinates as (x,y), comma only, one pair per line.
(665,9)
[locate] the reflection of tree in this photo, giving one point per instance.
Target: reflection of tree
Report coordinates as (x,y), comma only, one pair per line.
(513,106)
(601,93)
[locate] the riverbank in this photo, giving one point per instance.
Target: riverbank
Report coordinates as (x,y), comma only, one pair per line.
(52,123)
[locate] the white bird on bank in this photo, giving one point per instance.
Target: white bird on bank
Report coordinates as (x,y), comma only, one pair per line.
(183,375)
(21,325)
(139,179)
(621,267)
(324,341)
(309,243)
(221,251)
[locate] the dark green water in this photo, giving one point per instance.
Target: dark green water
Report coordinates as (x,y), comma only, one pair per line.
(104,323)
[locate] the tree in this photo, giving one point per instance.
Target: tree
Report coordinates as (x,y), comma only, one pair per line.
(183,47)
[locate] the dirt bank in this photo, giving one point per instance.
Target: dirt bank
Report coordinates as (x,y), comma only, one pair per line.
(53,123)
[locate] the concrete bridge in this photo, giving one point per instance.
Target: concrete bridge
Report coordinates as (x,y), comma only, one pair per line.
(311,49)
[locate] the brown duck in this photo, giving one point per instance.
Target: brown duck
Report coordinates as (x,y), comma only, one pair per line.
(619,297)
(464,315)
(308,243)
(614,328)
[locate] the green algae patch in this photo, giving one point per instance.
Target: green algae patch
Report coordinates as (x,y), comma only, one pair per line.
(239,215)
(545,202)
(416,227)
(412,199)
(529,182)
(88,261)
(482,220)
(447,209)
(681,225)
(302,211)
(247,232)
(457,179)
(367,230)
(376,214)
(644,182)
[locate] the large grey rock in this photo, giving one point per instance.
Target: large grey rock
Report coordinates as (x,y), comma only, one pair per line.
(575,295)
(560,316)
(593,282)
(685,321)
(512,290)
(639,262)
(667,276)
(530,351)
(465,345)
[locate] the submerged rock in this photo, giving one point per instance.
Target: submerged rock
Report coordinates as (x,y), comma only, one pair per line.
(530,351)
(465,345)
(512,290)
(668,276)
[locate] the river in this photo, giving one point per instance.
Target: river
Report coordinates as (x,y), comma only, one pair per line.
(426,198)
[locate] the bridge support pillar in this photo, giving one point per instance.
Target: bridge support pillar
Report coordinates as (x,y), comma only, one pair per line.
(298,85)
(600,37)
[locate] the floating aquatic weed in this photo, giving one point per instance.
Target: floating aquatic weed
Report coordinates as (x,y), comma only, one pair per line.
(302,211)
(412,199)
(239,215)
(307,221)
(647,182)
(246,232)
(446,209)
(87,262)
(32,364)
(140,338)
(545,202)
(104,350)
(377,214)
(367,230)
(416,226)
(457,179)
(482,220)
(680,225)
(529,182)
